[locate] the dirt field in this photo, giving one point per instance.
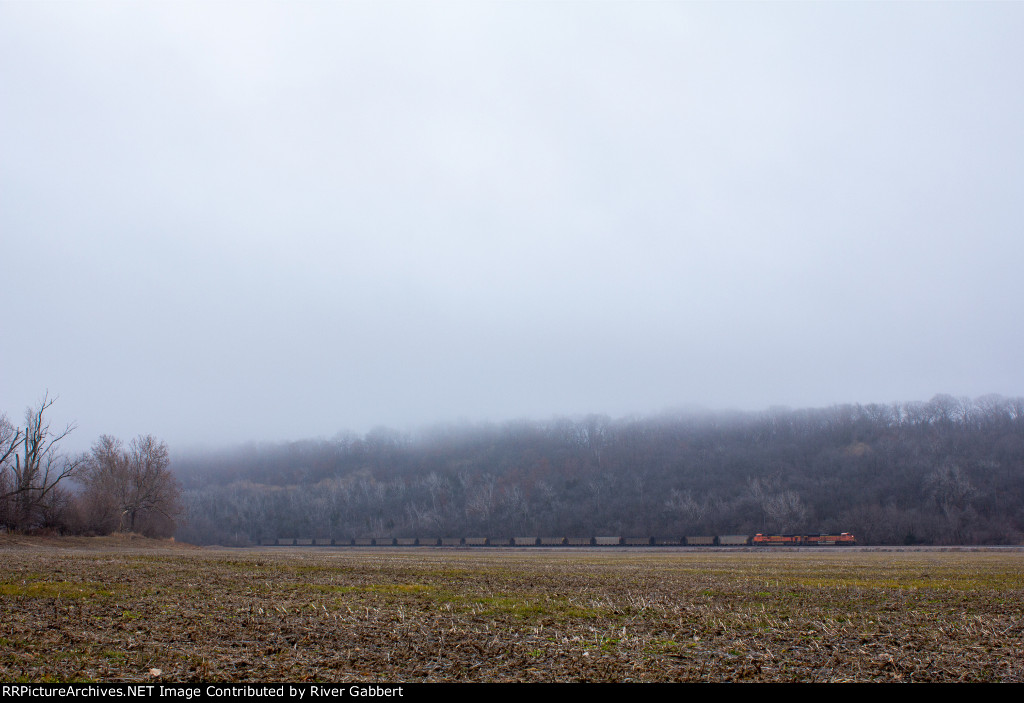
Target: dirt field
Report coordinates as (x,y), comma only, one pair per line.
(135,610)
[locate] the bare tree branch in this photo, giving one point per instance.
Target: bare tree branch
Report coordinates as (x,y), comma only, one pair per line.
(31,467)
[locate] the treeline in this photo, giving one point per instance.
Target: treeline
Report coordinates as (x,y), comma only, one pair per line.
(112,488)
(946,471)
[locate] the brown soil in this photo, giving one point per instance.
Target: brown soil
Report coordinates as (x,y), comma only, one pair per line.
(131,609)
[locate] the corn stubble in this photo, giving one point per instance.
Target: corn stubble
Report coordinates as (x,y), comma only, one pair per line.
(109,611)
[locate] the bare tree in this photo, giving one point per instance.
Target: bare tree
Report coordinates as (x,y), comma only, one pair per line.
(9,442)
(482,500)
(132,489)
(31,467)
(154,491)
(682,505)
(785,510)
(781,510)
(104,475)
(952,492)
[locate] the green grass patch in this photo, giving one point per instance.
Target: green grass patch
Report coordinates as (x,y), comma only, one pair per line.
(54,589)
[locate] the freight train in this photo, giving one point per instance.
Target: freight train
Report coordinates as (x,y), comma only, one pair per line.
(843,539)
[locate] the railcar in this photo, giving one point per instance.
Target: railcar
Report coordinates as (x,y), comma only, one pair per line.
(844,539)
(734,540)
(777,540)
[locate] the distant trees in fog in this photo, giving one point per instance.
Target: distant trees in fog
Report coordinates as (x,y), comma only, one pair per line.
(121,489)
(946,471)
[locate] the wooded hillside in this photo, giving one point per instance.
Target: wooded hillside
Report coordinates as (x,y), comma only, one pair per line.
(950,470)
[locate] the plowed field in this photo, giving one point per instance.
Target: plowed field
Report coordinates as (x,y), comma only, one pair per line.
(133,610)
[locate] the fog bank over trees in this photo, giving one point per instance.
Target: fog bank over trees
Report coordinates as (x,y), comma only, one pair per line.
(402,213)
(946,471)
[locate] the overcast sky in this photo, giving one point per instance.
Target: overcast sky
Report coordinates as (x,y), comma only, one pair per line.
(241,221)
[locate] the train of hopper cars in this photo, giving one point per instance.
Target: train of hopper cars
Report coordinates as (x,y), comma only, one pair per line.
(842,539)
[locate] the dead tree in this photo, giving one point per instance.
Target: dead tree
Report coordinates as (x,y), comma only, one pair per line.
(31,467)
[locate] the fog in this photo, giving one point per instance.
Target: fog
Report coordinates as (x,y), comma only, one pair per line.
(225,222)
